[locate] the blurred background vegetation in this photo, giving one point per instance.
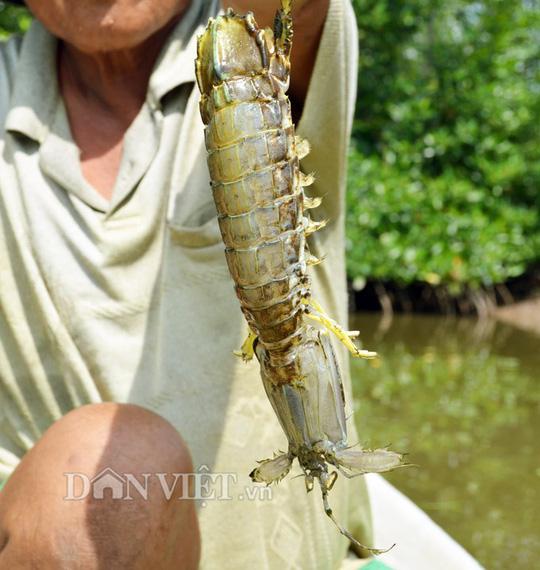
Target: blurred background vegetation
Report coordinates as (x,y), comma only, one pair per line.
(13,19)
(445,164)
(445,160)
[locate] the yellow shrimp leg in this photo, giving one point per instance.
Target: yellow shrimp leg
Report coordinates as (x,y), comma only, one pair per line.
(318,314)
(247,350)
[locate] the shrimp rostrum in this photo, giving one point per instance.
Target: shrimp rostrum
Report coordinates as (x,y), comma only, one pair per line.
(259,192)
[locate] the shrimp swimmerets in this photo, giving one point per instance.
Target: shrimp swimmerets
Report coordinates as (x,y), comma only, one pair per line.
(258,189)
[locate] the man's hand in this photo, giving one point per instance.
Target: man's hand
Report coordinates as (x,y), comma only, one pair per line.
(308,21)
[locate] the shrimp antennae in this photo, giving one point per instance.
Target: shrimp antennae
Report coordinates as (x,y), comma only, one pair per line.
(342,529)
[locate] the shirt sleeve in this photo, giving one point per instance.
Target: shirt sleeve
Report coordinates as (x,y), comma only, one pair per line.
(329,107)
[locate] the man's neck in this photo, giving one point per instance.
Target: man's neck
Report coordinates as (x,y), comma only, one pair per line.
(103,92)
(116,81)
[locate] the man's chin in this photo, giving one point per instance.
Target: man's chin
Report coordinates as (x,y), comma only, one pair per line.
(115,25)
(106,40)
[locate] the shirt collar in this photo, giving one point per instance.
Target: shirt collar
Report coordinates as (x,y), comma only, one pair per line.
(34,96)
(176,64)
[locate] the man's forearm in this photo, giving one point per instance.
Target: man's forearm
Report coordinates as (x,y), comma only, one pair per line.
(309,17)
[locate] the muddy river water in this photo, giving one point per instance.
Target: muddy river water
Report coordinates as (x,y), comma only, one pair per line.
(462,397)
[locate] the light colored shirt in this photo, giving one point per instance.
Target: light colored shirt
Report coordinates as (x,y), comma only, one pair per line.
(131,300)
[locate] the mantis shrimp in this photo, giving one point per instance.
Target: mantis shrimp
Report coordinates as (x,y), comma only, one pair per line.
(258,189)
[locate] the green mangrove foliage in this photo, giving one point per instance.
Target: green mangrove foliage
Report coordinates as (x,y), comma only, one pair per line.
(13,19)
(445,163)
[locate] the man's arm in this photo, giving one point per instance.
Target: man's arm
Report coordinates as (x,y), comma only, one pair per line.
(308,20)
